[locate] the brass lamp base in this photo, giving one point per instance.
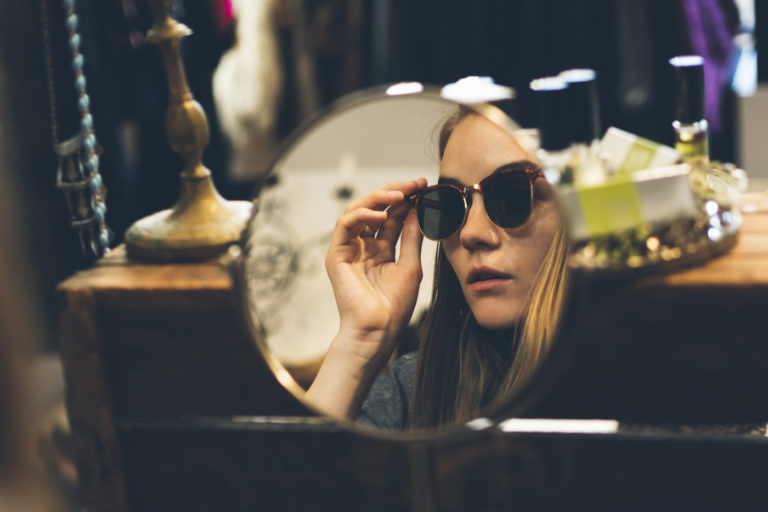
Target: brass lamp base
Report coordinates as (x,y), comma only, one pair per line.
(201,225)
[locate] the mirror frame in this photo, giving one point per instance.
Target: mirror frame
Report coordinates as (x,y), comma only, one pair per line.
(236,262)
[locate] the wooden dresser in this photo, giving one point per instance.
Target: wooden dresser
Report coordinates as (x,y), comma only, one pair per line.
(172,407)
(145,341)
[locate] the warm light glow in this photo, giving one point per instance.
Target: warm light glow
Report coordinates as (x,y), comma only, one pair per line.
(559,426)
(404,88)
(283,377)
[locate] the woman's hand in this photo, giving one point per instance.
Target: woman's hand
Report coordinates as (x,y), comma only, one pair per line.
(375,294)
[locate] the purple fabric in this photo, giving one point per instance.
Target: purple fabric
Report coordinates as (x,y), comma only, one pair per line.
(712,39)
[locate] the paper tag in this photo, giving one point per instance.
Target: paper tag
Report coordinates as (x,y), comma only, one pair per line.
(611,207)
(639,156)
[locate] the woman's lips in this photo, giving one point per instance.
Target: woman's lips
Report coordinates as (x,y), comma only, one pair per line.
(482,279)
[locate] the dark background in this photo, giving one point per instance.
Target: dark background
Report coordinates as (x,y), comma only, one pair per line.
(627,42)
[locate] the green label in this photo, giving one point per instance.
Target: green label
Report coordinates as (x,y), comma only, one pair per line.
(639,156)
(611,207)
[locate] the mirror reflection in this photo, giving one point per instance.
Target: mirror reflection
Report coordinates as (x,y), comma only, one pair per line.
(411,279)
(338,159)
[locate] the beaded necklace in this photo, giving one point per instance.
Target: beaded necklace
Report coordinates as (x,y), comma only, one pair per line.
(78,175)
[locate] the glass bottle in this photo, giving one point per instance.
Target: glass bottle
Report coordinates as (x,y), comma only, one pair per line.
(554,145)
(584,126)
(690,124)
(584,117)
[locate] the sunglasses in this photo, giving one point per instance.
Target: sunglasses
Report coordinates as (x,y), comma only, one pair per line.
(507,194)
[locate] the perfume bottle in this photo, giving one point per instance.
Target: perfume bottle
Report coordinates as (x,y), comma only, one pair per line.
(584,116)
(584,126)
(550,94)
(690,124)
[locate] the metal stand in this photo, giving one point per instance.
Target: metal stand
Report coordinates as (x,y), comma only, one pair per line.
(202,224)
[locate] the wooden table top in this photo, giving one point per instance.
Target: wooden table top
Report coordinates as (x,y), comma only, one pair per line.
(745,264)
(117,271)
(116,280)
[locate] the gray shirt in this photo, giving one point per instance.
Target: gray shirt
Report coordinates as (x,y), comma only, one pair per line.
(388,403)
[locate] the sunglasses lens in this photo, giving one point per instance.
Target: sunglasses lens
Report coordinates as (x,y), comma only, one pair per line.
(440,212)
(507,199)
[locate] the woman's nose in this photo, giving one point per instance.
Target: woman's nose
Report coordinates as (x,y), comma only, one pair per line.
(478,230)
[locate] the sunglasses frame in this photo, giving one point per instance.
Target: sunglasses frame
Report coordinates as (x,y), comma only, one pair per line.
(530,169)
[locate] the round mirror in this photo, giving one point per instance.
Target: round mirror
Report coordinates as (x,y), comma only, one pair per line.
(405,267)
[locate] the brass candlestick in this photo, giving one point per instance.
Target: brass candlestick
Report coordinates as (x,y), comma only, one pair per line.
(201,224)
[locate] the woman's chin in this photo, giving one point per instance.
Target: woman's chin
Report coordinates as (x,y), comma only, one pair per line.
(496,322)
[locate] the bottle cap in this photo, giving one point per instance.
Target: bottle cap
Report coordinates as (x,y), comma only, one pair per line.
(552,112)
(583,104)
(689,78)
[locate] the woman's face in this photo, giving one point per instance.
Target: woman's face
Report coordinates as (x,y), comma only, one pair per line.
(496,266)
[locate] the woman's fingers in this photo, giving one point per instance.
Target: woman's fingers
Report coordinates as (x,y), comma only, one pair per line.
(376,200)
(390,230)
(390,194)
(368,213)
(351,224)
(410,243)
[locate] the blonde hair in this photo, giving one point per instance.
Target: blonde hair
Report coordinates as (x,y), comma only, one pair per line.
(463,367)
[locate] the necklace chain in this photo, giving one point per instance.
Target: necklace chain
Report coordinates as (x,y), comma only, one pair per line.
(78,168)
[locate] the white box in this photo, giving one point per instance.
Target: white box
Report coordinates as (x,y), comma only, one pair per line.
(652,196)
(626,152)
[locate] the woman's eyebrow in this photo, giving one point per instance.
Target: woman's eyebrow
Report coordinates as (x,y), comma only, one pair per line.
(522,164)
(450,181)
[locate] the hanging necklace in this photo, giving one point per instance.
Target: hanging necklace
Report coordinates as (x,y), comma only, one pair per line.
(78,157)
